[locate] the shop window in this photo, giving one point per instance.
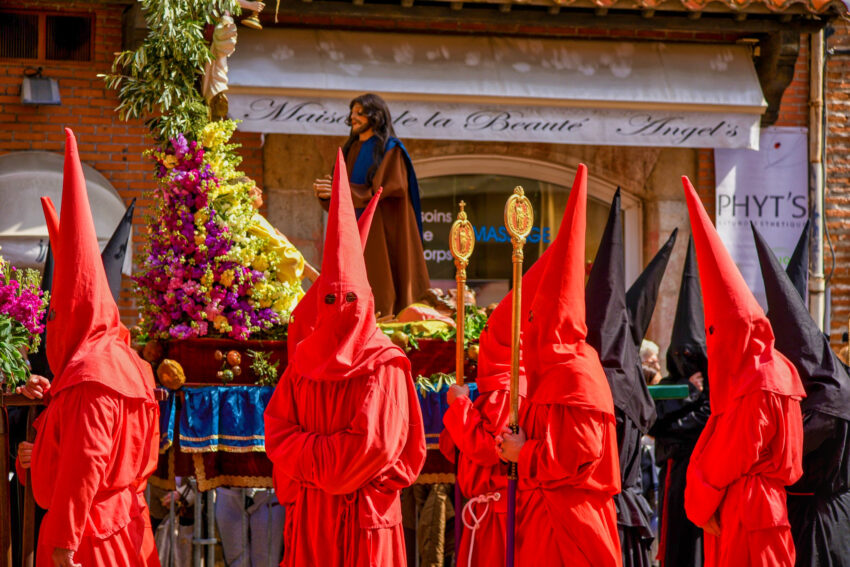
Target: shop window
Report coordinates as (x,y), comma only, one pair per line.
(489,271)
(48,37)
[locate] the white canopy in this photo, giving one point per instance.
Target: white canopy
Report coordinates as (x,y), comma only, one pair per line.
(500,88)
(25,177)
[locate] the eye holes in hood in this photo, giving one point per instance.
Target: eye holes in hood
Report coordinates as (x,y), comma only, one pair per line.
(350,297)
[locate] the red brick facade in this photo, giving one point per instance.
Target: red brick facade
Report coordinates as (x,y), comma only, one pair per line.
(837,163)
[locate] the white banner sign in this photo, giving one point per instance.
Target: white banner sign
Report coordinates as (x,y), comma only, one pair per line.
(486,122)
(768,188)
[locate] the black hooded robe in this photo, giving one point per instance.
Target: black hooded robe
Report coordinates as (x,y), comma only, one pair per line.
(680,422)
(609,332)
(818,503)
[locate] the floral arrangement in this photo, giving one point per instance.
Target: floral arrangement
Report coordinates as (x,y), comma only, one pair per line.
(212,264)
(22,307)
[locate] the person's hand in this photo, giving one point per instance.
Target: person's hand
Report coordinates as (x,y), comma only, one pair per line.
(697,380)
(25,454)
(168,497)
(64,558)
(509,444)
(713,526)
(35,387)
(455,391)
(322,187)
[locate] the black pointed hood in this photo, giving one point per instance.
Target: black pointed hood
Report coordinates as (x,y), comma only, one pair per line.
(687,352)
(798,265)
(642,296)
(38,361)
(825,379)
(608,329)
(115,250)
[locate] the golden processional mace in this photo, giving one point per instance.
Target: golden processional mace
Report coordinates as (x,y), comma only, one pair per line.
(461,243)
(519,219)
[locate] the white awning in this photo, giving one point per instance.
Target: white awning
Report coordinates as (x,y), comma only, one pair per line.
(25,177)
(498,88)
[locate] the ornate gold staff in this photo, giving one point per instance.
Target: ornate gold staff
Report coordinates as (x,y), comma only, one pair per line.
(519,218)
(461,243)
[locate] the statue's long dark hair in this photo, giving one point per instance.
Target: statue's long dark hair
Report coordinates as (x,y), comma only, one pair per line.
(379,117)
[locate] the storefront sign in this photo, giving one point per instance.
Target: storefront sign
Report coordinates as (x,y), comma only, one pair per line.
(768,188)
(558,125)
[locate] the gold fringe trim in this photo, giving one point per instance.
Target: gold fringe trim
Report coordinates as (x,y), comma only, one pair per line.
(436,478)
(166,483)
(222,449)
(229,437)
(238,481)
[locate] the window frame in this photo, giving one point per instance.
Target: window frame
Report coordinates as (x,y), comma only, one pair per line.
(41,57)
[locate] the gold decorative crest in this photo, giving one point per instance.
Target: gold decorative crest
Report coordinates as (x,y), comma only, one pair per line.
(519,216)
(462,236)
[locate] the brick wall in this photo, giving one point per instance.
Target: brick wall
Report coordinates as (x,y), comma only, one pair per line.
(837,163)
(110,146)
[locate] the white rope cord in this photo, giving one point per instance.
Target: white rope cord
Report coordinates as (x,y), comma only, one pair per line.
(475,521)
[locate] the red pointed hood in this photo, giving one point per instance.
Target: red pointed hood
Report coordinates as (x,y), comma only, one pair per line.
(85,338)
(346,342)
(494,356)
(561,367)
(739,338)
(302,320)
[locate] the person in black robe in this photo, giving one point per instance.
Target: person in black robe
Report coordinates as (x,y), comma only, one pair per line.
(643,294)
(640,301)
(680,423)
(818,503)
(609,332)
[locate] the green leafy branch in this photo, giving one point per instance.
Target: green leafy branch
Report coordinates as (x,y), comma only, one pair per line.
(263,368)
(434,383)
(160,79)
(14,342)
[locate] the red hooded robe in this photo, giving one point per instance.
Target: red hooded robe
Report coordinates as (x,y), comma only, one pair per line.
(99,433)
(473,428)
(344,423)
(302,321)
(752,446)
(568,468)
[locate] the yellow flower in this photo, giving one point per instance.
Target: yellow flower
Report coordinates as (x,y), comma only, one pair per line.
(261,264)
(219,322)
(169,161)
(227,278)
(199,239)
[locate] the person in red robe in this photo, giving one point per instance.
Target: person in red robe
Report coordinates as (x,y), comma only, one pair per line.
(752,445)
(567,444)
(472,428)
(100,432)
(344,425)
(302,321)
